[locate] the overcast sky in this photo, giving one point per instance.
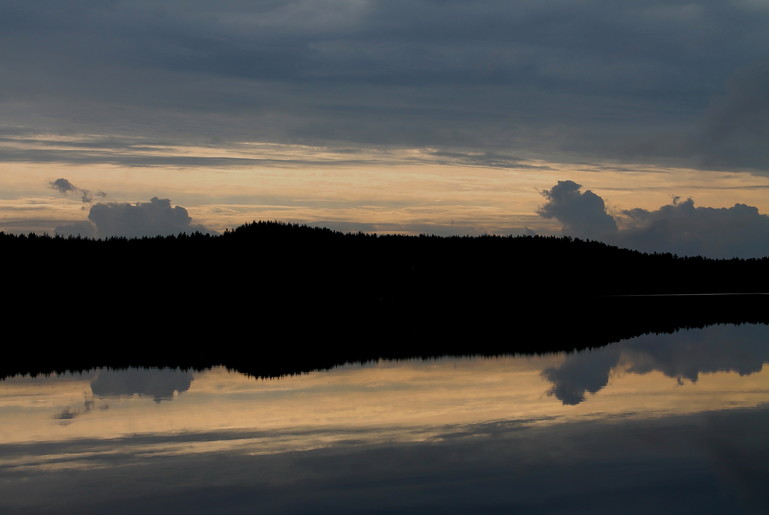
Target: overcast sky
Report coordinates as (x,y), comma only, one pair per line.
(443,115)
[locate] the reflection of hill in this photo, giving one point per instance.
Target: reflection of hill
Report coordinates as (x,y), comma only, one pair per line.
(270,344)
(273,298)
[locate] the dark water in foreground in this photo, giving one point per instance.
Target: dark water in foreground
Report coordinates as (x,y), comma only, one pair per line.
(672,423)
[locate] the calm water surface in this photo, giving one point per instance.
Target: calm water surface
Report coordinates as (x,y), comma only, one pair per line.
(671,423)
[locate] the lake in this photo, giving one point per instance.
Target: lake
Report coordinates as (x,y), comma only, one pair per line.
(671,423)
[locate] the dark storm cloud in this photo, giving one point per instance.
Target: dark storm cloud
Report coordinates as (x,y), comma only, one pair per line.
(679,227)
(154,218)
(640,80)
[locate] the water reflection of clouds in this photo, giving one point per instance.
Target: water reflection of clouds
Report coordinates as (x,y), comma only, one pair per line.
(682,356)
(158,384)
(446,435)
(68,413)
(161,385)
(416,394)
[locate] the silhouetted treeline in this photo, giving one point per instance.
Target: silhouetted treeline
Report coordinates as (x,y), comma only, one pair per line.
(278,256)
(271,298)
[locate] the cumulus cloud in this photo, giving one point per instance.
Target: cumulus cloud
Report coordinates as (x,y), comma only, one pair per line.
(583,214)
(154,218)
(679,227)
(65,187)
(85,229)
(682,228)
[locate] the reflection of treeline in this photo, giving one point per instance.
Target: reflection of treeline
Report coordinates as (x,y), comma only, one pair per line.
(287,297)
(272,344)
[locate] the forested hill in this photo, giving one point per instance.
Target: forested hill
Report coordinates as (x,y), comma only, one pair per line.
(271,297)
(298,261)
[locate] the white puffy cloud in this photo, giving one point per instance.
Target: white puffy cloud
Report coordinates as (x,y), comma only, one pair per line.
(680,227)
(583,214)
(154,218)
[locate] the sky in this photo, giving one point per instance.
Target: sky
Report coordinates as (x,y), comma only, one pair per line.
(640,123)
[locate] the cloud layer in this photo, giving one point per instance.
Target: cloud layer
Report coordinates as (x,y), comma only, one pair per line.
(679,227)
(639,80)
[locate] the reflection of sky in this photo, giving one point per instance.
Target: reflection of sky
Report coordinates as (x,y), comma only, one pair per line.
(381,420)
(684,357)
(642,377)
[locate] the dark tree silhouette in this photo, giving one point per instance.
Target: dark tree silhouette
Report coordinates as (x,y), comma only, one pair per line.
(263,296)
